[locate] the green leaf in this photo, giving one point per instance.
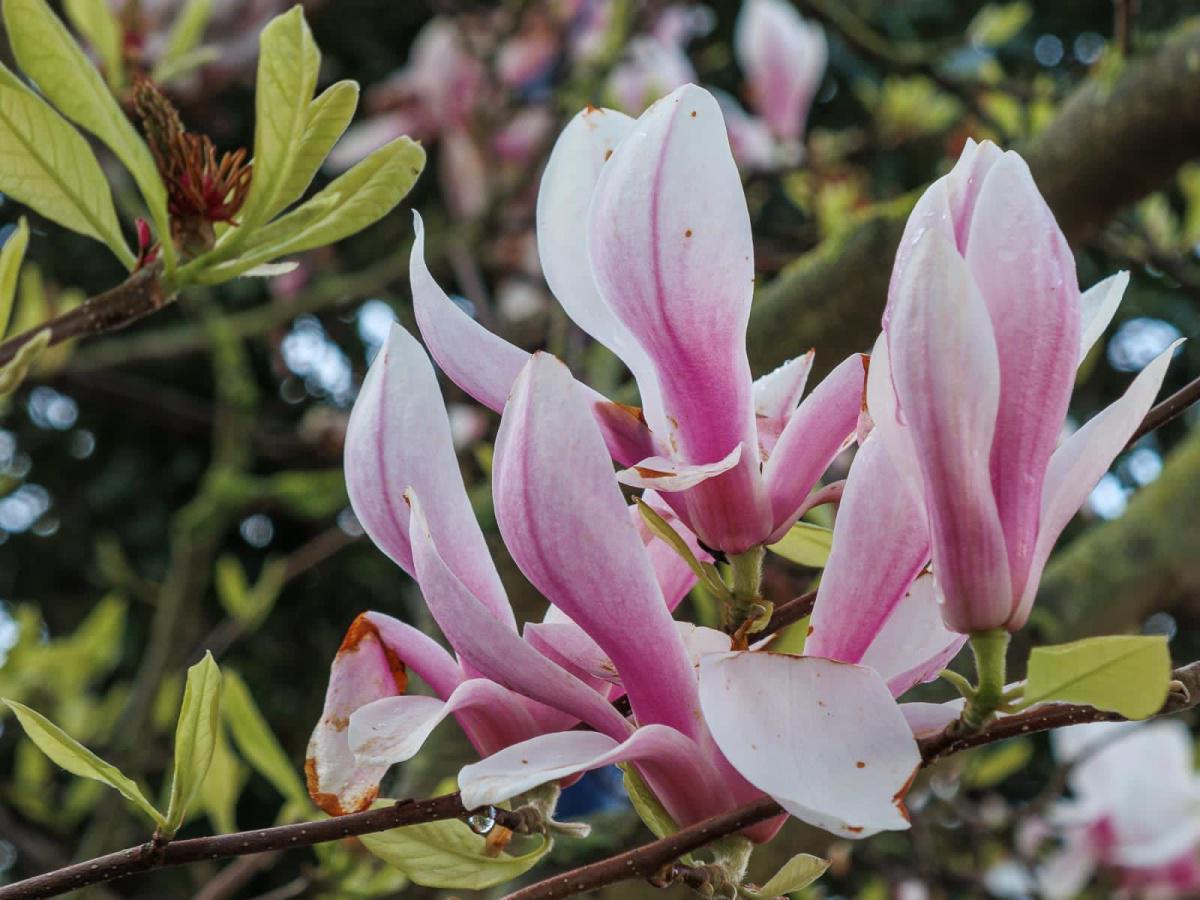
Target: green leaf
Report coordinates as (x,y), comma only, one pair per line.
(328,117)
(257,744)
(11,257)
(249,606)
(220,791)
(448,854)
(797,873)
(195,737)
(351,202)
(49,167)
(990,767)
(1125,674)
(288,61)
(14,371)
(998,23)
(49,55)
(648,807)
(99,24)
(187,31)
(67,753)
(805,544)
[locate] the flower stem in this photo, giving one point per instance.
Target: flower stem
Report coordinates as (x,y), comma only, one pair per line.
(990,649)
(746,573)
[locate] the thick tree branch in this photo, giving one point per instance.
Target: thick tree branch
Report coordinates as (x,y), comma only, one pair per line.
(158,856)
(134,298)
(1118,137)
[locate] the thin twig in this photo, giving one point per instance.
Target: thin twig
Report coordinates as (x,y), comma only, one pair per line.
(137,296)
(1171,408)
(149,856)
(648,860)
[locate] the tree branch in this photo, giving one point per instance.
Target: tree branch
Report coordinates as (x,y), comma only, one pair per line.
(149,856)
(650,859)
(1127,131)
(134,298)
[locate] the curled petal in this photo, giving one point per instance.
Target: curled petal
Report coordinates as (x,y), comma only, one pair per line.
(399,437)
(370,665)
(657,473)
(687,784)
(825,739)
(1082,460)
(568,529)
(393,729)
(497,652)
(816,432)
(947,378)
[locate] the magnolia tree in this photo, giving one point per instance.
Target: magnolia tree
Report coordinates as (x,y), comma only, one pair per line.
(965,471)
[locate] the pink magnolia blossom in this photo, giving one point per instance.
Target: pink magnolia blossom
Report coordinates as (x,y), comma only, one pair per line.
(875,632)
(1135,810)
(657,63)
(970,382)
(784,59)
(644,238)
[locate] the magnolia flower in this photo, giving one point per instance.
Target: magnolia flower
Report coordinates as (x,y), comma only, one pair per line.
(970,382)
(875,632)
(1135,810)
(784,59)
(644,238)
(656,63)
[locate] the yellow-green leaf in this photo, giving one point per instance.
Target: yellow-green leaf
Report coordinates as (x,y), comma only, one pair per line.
(47,165)
(195,737)
(797,873)
(249,605)
(11,257)
(288,61)
(255,741)
(448,854)
(988,768)
(220,791)
(14,371)
(328,117)
(1125,674)
(805,544)
(49,55)
(648,807)
(99,24)
(67,753)
(998,23)
(350,203)
(188,30)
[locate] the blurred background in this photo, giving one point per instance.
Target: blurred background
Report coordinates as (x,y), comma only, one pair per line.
(177,486)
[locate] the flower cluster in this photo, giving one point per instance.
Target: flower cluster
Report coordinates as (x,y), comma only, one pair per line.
(958,490)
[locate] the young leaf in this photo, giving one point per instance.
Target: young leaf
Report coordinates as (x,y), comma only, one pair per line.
(49,167)
(661,528)
(67,753)
(99,24)
(448,854)
(328,117)
(187,31)
(797,873)
(288,61)
(350,203)
(220,791)
(648,807)
(1125,674)
(257,744)
(49,55)
(14,371)
(195,737)
(11,256)
(805,544)
(249,606)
